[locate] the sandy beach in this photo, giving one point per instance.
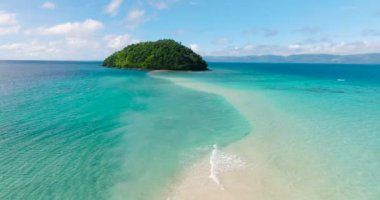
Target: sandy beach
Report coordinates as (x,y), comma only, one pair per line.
(241,183)
(259,178)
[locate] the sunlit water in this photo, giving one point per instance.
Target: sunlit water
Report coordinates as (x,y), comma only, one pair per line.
(75,130)
(80,131)
(326,144)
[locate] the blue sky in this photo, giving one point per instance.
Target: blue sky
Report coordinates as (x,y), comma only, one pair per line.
(90,29)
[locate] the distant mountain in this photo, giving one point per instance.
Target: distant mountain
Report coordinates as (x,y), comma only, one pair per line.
(301,58)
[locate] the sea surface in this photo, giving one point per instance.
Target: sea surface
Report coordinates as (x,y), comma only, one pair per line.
(76,130)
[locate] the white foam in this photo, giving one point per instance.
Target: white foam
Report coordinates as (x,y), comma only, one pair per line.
(341,79)
(223,162)
(213,163)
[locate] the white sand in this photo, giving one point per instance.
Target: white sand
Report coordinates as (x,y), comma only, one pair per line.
(259,178)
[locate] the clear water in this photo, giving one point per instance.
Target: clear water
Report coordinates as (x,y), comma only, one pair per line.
(328,143)
(74,130)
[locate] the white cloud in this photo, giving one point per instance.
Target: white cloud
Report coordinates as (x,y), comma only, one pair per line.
(48,5)
(7,19)
(82,43)
(334,48)
(64,49)
(161,4)
(194,47)
(136,14)
(135,17)
(9,30)
(70,29)
(75,40)
(67,48)
(8,23)
(249,47)
(353,47)
(116,42)
(113,7)
(294,46)
(30,49)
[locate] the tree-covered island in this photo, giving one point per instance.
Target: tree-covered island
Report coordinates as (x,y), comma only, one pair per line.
(160,55)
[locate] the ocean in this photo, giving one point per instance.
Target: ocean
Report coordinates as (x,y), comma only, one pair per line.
(76,130)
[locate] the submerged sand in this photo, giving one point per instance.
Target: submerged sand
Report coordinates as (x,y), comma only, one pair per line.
(263,175)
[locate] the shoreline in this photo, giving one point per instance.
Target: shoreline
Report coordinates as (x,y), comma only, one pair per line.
(199,181)
(275,167)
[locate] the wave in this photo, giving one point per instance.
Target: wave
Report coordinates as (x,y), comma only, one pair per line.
(220,162)
(223,162)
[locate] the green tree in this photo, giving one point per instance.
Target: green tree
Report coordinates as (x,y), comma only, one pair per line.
(163,54)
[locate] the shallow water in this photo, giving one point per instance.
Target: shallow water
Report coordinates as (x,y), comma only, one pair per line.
(324,140)
(75,130)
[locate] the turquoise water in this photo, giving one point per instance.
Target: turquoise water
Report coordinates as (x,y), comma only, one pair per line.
(75,130)
(329,147)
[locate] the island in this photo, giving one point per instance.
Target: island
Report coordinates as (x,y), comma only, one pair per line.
(163,54)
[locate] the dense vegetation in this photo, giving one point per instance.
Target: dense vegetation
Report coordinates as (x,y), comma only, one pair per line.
(162,54)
